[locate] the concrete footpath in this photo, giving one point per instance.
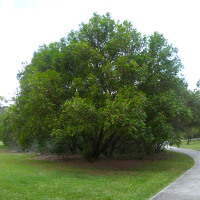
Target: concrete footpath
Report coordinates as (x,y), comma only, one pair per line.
(187,186)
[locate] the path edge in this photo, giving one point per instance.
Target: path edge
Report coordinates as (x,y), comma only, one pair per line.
(174,150)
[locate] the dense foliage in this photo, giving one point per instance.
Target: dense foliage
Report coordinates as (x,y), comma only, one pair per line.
(103,89)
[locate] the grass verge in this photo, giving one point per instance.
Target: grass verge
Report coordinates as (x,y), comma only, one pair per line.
(194,144)
(24,178)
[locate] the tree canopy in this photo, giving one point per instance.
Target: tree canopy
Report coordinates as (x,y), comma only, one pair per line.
(104,88)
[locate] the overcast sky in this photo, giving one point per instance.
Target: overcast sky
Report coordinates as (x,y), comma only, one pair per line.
(26,24)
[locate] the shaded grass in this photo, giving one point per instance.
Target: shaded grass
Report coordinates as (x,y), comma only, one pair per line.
(24,178)
(194,144)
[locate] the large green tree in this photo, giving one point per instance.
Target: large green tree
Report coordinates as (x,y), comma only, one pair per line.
(102,89)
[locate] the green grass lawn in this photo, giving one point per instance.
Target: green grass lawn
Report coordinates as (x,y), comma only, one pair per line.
(24,178)
(194,144)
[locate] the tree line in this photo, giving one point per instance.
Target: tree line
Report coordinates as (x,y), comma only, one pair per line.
(105,88)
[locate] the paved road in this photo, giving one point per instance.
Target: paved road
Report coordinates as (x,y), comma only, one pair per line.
(186,187)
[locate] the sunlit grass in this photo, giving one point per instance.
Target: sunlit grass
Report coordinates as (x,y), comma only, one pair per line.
(23,178)
(194,144)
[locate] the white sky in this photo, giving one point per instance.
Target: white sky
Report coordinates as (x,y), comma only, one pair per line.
(26,24)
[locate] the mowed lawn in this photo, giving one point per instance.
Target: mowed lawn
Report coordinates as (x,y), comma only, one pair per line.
(24,178)
(194,144)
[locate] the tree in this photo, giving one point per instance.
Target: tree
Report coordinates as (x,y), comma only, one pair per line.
(100,89)
(38,104)
(6,135)
(97,130)
(6,127)
(193,124)
(3,106)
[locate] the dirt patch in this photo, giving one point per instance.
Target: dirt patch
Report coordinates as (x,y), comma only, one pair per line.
(115,164)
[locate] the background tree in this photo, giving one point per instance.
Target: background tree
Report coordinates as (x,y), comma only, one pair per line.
(193,124)
(6,135)
(3,106)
